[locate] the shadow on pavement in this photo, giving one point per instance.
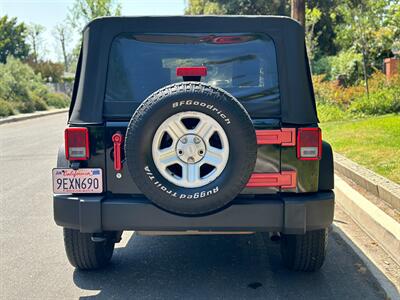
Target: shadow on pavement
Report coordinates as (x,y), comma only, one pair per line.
(229,267)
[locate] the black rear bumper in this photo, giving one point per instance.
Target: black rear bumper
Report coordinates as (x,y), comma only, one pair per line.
(291,214)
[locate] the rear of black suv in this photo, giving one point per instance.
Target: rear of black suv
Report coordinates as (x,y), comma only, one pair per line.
(193,124)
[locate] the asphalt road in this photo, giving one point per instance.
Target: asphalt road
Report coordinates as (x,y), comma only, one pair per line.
(33,263)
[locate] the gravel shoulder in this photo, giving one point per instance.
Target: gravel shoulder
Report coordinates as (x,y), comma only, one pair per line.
(368,246)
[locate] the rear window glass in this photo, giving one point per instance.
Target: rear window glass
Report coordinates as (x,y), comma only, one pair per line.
(242,64)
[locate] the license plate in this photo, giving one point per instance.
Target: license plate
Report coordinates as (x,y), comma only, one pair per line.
(69,181)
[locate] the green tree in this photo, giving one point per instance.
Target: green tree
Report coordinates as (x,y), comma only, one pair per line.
(238,7)
(312,18)
(204,7)
(12,39)
(83,11)
(35,38)
(370,27)
(325,27)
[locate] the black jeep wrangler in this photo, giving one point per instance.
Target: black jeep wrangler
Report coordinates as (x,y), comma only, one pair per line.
(192,125)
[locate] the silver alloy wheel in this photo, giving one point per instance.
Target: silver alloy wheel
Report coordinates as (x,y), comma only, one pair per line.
(190,149)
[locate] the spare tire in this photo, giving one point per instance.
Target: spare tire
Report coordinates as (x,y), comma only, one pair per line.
(190,148)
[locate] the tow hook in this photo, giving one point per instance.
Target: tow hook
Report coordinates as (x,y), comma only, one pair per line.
(75,165)
(275,236)
(117,139)
(102,237)
(98,238)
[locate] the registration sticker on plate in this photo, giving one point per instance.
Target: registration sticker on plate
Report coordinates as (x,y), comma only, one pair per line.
(68,181)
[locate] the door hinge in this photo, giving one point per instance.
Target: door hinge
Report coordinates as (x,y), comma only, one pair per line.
(283,137)
(284,180)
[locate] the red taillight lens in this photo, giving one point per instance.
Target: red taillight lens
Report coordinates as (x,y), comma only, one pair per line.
(76,143)
(309,143)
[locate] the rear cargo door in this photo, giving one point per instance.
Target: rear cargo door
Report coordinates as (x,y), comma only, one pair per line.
(243,64)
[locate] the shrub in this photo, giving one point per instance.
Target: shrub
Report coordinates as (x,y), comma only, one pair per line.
(330,112)
(40,90)
(38,103)
(17,80)
(57,100)
(336,103)
(378,103)
(21,87)
(31,104)
(346,64)
(5,109)
(332,93)
(26,107)
(322,67)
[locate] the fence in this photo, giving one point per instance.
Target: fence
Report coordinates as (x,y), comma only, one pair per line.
(61,87)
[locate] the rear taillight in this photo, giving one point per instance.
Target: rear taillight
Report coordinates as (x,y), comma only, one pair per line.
(309,143)
(76,143)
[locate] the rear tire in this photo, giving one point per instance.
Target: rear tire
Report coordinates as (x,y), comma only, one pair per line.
(304,252)
(85,254)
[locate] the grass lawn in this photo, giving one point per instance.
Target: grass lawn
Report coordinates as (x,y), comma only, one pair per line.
(372,142)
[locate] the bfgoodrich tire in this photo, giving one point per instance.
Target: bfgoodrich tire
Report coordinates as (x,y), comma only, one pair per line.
(85,254)
(304,252)
(191,98)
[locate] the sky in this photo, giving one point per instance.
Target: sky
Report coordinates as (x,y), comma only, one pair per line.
(51,12)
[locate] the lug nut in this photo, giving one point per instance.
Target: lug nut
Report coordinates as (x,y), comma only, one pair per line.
(184,141)
(180,152)
(201,152)
(196,140)
(190,159)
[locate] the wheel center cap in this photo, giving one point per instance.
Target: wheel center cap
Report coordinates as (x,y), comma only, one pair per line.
(190,148)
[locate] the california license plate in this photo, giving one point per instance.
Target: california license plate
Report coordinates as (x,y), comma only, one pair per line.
(68,181)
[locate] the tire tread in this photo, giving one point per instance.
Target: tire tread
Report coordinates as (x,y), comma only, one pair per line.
(305,252)
(85,254)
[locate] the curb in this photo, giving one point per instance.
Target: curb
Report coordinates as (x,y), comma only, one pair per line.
(390,290)
(377,185)
(34,115)
(377,224)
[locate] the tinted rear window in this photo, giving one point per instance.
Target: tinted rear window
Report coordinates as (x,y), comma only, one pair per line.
(242,64)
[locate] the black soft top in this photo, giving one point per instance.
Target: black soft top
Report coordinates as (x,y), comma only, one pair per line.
(297,95)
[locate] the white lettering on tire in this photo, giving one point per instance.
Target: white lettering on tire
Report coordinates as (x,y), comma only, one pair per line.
(203,104)
(163,188)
